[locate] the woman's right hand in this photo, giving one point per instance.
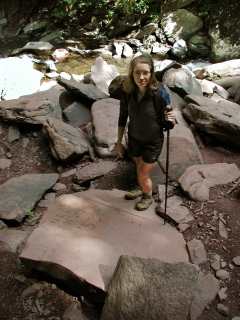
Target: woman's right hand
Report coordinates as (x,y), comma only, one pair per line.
(120,150)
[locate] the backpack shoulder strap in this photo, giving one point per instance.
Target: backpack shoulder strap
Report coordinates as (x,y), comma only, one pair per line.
(161,95)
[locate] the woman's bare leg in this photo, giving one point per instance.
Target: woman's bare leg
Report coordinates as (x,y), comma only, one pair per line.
(143,171)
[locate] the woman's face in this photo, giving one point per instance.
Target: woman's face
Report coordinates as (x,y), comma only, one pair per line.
(142,75)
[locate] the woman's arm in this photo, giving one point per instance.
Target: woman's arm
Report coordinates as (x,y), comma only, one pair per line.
(120,150)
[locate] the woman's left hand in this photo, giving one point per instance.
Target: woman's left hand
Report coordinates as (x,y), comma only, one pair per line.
(170,116)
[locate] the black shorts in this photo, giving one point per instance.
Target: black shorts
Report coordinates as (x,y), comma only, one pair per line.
(149,151)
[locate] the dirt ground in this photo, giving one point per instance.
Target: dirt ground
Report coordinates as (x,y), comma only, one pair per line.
(37,158)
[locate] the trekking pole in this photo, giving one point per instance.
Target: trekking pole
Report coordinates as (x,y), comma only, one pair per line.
(169,108)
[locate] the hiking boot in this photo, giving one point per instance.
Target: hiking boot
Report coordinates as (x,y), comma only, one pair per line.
(145,202)
(134,193)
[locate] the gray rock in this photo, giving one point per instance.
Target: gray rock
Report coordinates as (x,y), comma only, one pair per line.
(216,262)
(221,308)
(13,133)
(29,111)
(176,213)
(88,92)
(36,26)
(102,74)
(206,290)
(226,69)
(105,121)
(222,274)
(167,288)
(184,152)
(182,81)
(218,119)
(222,230)
(88,227)
(77,114)
(19,195)
(52,94)
(185,23)
(94,171)
(38,45)
(222,296)
(236,261)
(196,251)
(66,142)
(197,180)
(5,163)
(12,239)
(73,312)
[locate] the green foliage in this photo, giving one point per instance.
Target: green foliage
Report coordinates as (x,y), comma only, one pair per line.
(31,214)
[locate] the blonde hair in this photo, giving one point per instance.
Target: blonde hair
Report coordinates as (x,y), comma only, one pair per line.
(129,84)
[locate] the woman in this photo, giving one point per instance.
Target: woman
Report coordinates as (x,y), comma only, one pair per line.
(145,131)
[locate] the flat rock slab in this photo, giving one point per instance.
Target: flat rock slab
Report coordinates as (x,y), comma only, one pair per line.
(19,195)
(81,237)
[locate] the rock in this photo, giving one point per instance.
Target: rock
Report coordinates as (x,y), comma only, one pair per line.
(184,152)
(179,49)
(73,312)
(206,290)
(35,27)
(38,45)
(5,163)
(182,81)
(29,111)
(222,309)
(102,74)
(60,55)
(77,114)
(36,287)
(226,69)
(45,92)
(196,251)
(66,142)
(176,213)
(222,230)
(87,92)
(88,226)
(105,121)
(236,260)
(218,119)
(216,262)
(197,180)
(94,171)
(159,281)
(222,274)
(13,133)
(12,239)
(19,195)
(185,23)
(222,296)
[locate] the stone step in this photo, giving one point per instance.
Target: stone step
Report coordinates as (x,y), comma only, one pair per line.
(81,237)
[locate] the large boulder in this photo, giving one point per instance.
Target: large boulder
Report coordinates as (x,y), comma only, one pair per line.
(197,180)
(29,111)
(105,121)
(184,152)
(167,288)
(221,120)
(19,195)
(102,74)
(180,24)
(66,142)
(182,81)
